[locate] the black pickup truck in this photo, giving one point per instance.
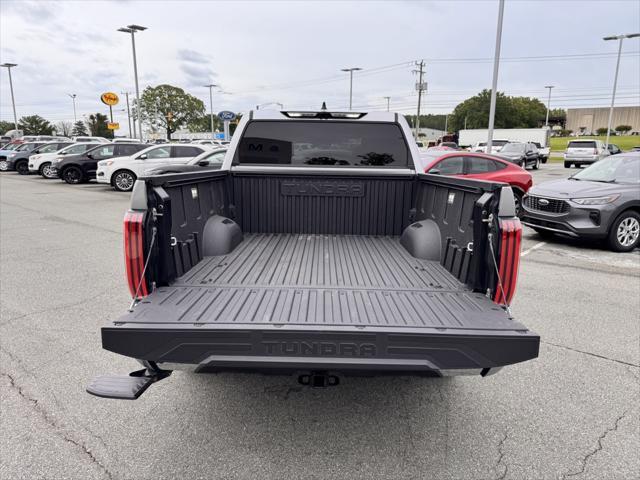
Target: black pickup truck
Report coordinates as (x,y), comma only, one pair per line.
(318,250)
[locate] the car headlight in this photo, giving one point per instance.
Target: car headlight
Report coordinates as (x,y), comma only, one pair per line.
(56,160)
(105,163)
(11,155)
(35,157)
(596,200)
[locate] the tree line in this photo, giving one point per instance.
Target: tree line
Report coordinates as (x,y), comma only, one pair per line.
(166,108)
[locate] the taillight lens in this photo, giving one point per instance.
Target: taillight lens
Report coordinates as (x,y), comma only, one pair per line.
(510,239)
(134,253)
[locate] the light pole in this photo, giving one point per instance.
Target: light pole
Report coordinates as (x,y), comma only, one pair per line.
(270,103)
(494,83)
(9,66)
(73,97)
(351,70)
(126,94)
(210,87)
(132,29)
(388,99)
(546,122)
(615,78)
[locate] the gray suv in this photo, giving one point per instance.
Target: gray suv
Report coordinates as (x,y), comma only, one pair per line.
(601,202)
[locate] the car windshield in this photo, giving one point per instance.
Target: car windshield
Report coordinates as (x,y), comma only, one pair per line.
(614,169)
(537,144)
(12,146)
(499,143)
(513,147)
(49,148)
(26,146)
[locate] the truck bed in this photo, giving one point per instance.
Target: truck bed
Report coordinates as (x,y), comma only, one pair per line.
(321,280)
(301,302)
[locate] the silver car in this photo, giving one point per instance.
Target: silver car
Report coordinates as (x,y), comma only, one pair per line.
(584,152)
(600,202)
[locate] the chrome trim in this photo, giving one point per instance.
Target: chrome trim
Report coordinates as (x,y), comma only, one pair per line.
(564,232)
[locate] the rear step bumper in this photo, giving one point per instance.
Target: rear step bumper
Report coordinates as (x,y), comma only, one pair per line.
(339,349)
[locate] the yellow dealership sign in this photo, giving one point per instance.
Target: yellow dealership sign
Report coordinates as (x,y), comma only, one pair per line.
(113,125)
(109,98)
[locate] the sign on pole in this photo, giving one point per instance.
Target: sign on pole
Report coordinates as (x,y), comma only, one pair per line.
(113,126)
(226,115)
(109,98)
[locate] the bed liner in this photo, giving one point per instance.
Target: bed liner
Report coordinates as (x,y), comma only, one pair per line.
(327,280)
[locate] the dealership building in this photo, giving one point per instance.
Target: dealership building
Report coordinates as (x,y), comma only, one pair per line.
(591,119)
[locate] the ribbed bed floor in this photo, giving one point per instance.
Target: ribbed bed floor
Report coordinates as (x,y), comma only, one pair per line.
(321,280)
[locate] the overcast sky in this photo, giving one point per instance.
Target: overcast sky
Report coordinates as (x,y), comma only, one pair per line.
(292,52)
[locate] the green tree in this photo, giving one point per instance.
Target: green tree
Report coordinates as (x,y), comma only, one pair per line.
(6,126)
(35,125)
(203,124)
(623,129)
(558,116)
(474,112)
(98,125)
(437,122)
(601,131)
(169,108)
(79,129)
(526,113)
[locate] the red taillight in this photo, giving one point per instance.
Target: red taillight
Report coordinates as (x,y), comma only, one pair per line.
(510,238)
(134,253)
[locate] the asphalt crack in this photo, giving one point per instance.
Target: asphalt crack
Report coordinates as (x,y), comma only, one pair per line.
(56,427)
(599,446)
(603,357)
(501,461)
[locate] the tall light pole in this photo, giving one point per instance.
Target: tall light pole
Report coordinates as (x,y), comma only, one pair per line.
(126,94)
(210,87)
(132,29)
(546,121)
(351,70)
(9,66)
(494,83)
(270,103)
(388,99)
(73,97)
(615,78)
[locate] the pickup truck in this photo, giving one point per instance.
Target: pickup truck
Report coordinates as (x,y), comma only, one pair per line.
(319,250)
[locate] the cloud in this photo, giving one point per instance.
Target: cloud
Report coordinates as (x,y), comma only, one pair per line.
(196,67)
(33,11)
(191,56)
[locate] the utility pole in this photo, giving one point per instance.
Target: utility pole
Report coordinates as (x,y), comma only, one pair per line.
(615,78)
(494,83)
(446,124)
(388,99)
(9,66)
(210,87)
(126,94)
(420,86)
(351,70)
(546,122)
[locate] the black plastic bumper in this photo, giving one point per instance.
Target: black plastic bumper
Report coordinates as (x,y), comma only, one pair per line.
(344,350)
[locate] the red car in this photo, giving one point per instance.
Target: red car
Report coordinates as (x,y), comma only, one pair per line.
(481,166)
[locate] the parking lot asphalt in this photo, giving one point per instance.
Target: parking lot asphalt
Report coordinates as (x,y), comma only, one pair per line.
(573,413)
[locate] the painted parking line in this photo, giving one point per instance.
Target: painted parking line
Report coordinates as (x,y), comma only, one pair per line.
(535,247)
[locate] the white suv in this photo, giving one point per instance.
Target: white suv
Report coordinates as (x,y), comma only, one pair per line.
(584,152)
(121,173)
(41,163)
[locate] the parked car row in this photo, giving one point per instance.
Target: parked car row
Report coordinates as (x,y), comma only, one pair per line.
(117,163)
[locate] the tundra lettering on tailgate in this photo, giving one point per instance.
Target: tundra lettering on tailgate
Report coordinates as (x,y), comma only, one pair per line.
(321,188)
(328,349)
